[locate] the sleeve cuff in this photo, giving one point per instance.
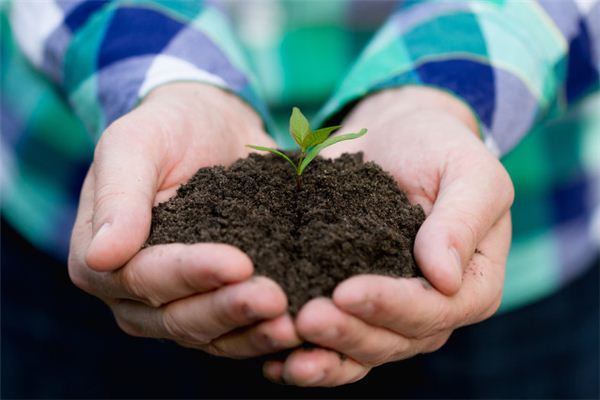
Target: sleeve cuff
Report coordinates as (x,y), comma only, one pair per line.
(473,50)
(127,51)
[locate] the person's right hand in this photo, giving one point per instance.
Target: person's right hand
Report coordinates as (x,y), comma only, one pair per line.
(200,295)
(427,140)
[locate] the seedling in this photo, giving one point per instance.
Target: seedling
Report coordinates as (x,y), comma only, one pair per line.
(311,142)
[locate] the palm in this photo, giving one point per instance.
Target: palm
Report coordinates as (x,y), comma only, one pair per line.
(406,152)
(198,295)
(189,137)
(431,157)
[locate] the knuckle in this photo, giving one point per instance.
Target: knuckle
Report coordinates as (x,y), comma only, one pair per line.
(436,343)
(174,327)
(77,276)
(218,349)
(177,329)
(505,182)
(402,350)
(133,282)
(128,327)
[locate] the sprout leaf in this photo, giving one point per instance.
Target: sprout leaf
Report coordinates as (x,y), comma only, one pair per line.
(318,136)
(299,127)
(328,142)
(274,151)
(311,142)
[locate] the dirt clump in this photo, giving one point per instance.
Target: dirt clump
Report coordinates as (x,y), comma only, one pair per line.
(349,218)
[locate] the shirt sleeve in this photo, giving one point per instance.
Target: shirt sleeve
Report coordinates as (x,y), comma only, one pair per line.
(107,55)
(515,63)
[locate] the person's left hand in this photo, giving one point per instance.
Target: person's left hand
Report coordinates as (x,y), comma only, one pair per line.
(427,141)
(200,295)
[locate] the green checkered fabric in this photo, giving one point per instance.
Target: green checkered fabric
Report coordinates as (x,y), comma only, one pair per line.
(528,70)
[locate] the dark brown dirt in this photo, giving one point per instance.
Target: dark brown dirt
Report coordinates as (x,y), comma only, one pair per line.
(349,218)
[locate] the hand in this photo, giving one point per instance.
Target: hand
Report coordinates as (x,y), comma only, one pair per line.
(199,295)
(426,139)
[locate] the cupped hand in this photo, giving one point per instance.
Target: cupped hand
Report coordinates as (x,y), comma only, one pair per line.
(201,295)
(427,140)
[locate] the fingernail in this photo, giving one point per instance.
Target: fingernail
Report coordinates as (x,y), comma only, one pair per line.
(425,283)
(99,233)
(364,308)
(273,372)
(316,379)
(270,342)
(103,229)
(248,312)
(455,257)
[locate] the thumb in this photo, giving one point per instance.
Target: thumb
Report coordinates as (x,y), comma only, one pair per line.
(470,200)
(126,178)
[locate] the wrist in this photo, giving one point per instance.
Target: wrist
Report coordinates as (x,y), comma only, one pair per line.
(411,100)
(191,98)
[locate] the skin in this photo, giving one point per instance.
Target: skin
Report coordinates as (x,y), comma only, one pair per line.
(427,140)
(200,295)
(203,296)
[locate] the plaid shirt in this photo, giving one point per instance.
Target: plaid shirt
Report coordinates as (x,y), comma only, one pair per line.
(529,71)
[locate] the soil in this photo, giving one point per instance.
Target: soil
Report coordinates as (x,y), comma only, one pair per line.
(349,218)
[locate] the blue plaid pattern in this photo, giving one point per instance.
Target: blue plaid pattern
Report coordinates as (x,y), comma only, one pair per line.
(528,70)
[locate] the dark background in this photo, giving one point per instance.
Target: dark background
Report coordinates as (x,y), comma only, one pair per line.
(58,342)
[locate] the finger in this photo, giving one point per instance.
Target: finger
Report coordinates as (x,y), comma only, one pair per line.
(320,367)
(496,244)
(321,322)
(125,185)
(163,273)
(472,196)
(158,274)
(201,318)
(82,235)
(273,371)
(265,338)
(309,375)
(104,285)
(413,308)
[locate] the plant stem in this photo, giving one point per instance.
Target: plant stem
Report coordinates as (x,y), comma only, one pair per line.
(298,175)
(300,159)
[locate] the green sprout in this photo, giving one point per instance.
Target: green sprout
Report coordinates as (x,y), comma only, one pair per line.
(311,142)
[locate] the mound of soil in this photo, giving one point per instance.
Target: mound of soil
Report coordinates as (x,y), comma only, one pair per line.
(349,218)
